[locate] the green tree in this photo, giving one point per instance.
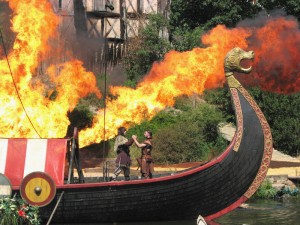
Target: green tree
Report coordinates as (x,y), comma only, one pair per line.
(189,18)
(184,39)
(209,13)
(291,7)
(144,50)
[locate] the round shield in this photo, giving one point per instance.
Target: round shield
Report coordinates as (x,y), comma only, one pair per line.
(5,186)
(38,189)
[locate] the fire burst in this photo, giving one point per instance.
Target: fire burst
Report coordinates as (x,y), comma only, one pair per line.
(276,44)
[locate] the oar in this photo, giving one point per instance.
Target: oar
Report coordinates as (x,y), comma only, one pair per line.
(50,218)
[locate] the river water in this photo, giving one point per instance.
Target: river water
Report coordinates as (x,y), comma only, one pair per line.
(256,212)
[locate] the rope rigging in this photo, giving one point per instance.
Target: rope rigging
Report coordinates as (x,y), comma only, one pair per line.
(18,94)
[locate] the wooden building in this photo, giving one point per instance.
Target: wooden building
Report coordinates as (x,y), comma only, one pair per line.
(95,27)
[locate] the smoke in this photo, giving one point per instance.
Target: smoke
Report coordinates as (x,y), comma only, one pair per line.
(276,43)
(261,18)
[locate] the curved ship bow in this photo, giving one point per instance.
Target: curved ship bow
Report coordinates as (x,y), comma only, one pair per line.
(253,140)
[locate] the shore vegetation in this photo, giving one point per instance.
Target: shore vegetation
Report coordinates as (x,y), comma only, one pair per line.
(15,211)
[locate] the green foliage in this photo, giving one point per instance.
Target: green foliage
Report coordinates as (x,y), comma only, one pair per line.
(92,101)
(184,136)
(147,48)
(205,117)
(283,115)
(14,211)
(180,143)
(266,190)
(83,114)
(185,39)
(159,121)
(188,15)
(183,103)
(221,98)
(130,83)
(209,13)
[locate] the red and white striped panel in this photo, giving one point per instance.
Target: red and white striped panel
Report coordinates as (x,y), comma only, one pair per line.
(19,157)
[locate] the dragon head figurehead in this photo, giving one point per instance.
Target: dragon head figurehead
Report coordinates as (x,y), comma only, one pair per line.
(233,59)
(232,63)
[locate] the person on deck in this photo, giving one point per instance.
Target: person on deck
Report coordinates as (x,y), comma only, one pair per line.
(145,161)
(123,161)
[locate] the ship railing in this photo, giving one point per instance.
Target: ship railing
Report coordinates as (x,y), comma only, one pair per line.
(108,167)
(73,159)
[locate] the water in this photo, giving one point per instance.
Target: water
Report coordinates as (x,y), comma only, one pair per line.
(258,212)
(265,212)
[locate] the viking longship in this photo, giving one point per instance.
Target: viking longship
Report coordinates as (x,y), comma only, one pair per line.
(35,169)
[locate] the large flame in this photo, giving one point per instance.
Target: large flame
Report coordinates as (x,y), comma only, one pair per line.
(179,73)
(276,45)
(34,24)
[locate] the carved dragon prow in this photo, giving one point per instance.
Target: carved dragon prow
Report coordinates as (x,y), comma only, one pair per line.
(232,63)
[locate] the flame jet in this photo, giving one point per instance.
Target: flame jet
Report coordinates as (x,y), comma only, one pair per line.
(275,40)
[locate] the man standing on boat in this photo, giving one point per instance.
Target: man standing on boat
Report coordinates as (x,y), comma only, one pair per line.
(145,161)
(123,161)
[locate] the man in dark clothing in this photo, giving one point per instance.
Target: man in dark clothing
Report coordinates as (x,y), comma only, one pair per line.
(123,161)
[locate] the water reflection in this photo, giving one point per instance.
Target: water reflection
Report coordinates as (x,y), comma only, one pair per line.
(262,212)
(258,212)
